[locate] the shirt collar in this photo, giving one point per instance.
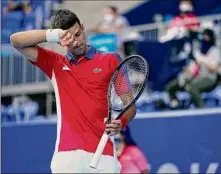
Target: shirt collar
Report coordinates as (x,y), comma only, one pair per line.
(89,54)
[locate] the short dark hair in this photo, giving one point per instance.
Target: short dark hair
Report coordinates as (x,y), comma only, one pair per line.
(64,19)
(210,34)
(113,8)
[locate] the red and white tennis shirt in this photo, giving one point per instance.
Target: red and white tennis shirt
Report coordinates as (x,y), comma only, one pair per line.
(81,96)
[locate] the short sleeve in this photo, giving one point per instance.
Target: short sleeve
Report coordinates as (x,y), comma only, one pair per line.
(115,60)
(46,60)
(139,159)
(122,21)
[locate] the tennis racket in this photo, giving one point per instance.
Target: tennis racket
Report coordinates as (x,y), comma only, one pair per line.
(126,86)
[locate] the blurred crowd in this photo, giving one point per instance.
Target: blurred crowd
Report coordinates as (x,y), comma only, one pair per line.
(202,70)
(24,6)
(25,14)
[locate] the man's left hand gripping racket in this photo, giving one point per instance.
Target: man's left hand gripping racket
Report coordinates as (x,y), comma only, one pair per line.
(126,86)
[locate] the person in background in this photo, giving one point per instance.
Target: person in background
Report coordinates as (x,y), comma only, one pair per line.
(131,158)
(194,80)
(112,22)
(182,25)
(27,7)
(24,6)
(11,6)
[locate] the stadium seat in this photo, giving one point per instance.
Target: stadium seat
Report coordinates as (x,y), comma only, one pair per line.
(5,35)
(29,21)
(213,98)
(30,110)
(16,17)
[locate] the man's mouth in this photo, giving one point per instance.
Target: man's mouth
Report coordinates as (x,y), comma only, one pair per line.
(79,48)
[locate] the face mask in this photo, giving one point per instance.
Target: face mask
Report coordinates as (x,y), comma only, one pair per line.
(185,8)
(108,17)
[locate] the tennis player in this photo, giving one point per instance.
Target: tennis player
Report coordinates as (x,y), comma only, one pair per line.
(80,80)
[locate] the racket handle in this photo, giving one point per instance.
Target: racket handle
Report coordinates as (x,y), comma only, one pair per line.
(100,148)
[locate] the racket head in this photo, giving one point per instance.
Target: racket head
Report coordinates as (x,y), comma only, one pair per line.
(123,82)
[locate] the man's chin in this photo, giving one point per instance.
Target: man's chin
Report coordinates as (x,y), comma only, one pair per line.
(77,54)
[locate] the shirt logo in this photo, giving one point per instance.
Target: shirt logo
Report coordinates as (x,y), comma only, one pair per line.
(97,70)
(65,68)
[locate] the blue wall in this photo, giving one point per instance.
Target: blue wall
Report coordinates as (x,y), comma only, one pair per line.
(182,141)
(186,142)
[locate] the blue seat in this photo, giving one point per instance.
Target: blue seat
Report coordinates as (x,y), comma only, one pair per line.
(12,20)
(6,32)
(213,98)
(5,35)
(4,4)
(15,113)
(29,21)
(4,114)
(45,6)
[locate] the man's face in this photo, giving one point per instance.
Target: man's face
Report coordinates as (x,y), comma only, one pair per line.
(109,14)
(185,6)
(78,47)
(206,37)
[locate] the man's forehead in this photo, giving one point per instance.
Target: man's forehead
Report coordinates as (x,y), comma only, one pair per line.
(75,28)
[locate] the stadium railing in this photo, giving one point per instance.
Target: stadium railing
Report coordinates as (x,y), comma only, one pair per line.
(155,30)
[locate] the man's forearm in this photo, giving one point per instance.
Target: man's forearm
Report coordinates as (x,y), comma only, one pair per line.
(128,116)
(28,38)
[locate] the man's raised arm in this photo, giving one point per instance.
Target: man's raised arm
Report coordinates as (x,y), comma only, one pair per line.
(25,42)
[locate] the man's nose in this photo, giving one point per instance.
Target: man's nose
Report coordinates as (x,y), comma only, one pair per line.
(75,43)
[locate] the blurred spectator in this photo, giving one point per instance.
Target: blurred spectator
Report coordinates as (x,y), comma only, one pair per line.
(112,22)
(21,109)
(202,74)
(131,158)
(24,6)
(183,24)
(27,8)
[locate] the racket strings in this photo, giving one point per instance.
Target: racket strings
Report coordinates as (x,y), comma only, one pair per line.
(127,83)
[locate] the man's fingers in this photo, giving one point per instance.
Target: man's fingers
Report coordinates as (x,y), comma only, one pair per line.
(66,48)
(63,33)
(67,36)
(67,43)
(112,131)
(116,121)
(113,125)
(64,42)
(105,120)
(71,39)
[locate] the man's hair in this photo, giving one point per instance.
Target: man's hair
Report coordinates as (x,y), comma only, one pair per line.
(64,19)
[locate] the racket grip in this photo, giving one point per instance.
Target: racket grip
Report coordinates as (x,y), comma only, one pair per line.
(100,148)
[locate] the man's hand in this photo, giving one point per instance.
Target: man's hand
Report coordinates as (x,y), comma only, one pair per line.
(114,127)
(66,39)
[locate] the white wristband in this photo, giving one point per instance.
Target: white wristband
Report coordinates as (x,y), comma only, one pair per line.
(52,35)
